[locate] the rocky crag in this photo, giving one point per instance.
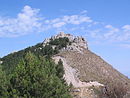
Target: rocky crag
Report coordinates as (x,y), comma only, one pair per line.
(77,43)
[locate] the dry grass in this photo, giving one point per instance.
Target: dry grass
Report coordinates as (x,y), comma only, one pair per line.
(93,68)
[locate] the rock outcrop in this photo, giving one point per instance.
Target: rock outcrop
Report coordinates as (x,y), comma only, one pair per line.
(77,43)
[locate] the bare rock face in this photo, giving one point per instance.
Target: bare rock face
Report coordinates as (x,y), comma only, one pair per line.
(77,43)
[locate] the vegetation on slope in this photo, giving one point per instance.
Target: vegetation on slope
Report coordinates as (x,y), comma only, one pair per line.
(10,61)
(31,73)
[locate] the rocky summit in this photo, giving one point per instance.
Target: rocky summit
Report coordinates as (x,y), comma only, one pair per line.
(77,42)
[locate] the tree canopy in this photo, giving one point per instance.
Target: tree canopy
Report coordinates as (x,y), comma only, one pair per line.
(31,73)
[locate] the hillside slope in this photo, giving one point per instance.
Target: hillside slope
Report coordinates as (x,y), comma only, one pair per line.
(87,73)
(88,68)
(92,67)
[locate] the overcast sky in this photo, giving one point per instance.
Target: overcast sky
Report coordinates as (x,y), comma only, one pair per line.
(104,23)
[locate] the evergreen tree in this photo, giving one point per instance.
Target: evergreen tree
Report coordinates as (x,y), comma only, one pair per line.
(3,83)
(60,69)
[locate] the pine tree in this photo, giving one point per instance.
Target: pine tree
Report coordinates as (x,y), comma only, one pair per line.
(3,83)
(60,69)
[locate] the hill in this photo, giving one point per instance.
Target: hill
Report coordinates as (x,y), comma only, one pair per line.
(88,74)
